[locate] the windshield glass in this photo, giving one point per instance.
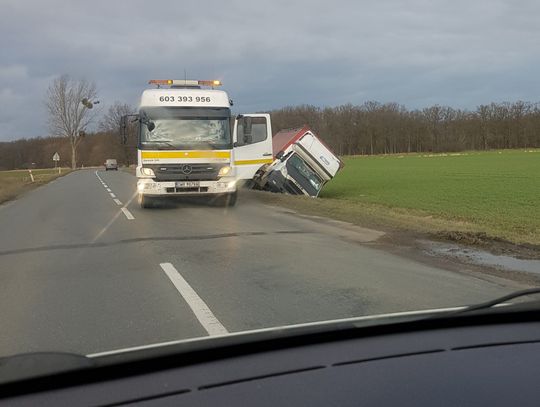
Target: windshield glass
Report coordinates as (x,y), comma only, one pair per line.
(182,128)
(177,170)
(309,178)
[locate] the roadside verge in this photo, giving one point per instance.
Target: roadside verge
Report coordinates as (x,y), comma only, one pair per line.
(403,224)
(15,183)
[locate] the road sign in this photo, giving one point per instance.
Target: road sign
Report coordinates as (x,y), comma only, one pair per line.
(56,158)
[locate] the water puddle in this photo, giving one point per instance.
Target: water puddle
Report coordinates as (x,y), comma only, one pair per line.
(481,257)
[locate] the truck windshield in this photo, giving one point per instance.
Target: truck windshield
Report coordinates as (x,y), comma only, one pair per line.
(308,179)
(186,128)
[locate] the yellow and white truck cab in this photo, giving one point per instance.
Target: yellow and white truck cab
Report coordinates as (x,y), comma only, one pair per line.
(189,144)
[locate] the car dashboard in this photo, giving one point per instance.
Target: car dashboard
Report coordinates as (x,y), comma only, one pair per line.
(492,363)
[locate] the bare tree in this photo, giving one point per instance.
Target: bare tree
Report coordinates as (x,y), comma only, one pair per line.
(111,120)
(69,102)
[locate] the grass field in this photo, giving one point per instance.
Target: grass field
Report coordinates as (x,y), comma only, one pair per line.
(492,193)
(13,183)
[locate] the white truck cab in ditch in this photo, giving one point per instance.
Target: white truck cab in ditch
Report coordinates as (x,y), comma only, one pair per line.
(188,144)
(303,164)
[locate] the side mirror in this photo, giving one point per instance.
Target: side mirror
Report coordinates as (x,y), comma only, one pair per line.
(280,155)
(123,129)
(144,119)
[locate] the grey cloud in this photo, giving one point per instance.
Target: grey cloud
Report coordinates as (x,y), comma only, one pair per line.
(270,54)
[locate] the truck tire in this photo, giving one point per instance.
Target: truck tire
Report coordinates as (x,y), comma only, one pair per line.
(231,199)
(249,184)
(228,200)
(145,201)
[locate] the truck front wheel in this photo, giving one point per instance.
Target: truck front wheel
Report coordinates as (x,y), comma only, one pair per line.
(231,199)
(226,200)
(145,201)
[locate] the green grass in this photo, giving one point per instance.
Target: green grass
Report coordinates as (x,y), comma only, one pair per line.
(13,183)
(24,175)
(497,193)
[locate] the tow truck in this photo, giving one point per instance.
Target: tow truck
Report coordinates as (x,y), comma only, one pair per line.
(189,144)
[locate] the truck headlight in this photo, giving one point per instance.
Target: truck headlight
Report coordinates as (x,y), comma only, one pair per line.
(149,172)
(224,171)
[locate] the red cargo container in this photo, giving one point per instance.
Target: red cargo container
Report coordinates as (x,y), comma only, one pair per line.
(285,138)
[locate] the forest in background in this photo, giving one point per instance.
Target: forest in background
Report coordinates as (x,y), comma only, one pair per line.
(370,128)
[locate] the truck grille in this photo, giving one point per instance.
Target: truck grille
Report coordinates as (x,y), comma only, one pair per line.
(182,172)
(189,189)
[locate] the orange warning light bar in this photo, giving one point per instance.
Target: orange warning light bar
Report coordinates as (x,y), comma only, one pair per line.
(184,82)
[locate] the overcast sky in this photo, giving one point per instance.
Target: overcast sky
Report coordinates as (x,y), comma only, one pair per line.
(270,54)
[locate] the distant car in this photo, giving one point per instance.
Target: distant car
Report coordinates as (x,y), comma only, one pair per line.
(111,164)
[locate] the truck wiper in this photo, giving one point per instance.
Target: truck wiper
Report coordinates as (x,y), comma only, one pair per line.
(168,142)
(498,301)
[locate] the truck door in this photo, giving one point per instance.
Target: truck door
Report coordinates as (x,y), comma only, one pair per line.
(252,138)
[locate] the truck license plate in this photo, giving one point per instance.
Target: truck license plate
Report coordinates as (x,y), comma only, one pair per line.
(188,184)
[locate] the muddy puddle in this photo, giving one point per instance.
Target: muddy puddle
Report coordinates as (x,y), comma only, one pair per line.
(481,257)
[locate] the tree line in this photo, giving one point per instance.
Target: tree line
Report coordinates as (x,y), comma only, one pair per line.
(92,150)
(376,128)
(370,128)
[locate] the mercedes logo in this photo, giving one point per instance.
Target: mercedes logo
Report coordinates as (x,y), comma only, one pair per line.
(186,169)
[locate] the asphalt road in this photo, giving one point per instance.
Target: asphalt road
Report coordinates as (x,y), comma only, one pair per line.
(81,272)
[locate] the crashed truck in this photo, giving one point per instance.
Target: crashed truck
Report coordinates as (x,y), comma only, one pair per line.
(302,164)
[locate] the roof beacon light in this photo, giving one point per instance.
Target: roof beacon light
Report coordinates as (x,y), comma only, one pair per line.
(184,82)
(215,82)
(160,82)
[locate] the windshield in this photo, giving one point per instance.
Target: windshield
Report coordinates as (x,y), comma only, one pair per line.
(180,128)
(176,170)
(309,178)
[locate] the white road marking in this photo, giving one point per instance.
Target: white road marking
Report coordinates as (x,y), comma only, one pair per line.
(124,209)
(117,201)
(127,213)
(196,303)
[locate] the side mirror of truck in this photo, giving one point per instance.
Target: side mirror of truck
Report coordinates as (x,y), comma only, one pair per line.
(123,129)
(280,155)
